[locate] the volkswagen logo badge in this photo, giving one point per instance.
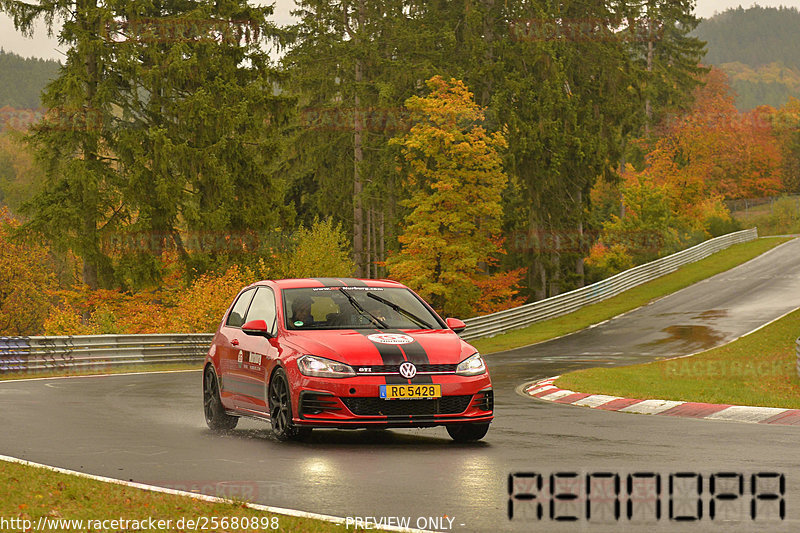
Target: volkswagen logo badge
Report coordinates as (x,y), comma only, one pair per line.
(408,370)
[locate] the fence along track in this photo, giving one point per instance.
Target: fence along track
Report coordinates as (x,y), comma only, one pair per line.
(519,317)
(99,352)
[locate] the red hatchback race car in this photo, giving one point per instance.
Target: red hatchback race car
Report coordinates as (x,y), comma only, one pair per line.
(343,353)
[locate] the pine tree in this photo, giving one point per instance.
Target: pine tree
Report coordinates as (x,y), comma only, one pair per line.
(669,54)
(351,65)
(455,177)
(198,138)
(163,120)
(79,201)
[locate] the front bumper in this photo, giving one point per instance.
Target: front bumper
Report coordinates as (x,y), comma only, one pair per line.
(356,403)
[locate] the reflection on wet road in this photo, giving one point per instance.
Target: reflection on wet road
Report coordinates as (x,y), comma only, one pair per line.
(690,338)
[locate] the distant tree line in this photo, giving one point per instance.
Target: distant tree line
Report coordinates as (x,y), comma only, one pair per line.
(169,121)
(22,79)
(753,36)
(763,39)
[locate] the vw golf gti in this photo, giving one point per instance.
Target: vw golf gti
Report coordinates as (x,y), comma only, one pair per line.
(343,353)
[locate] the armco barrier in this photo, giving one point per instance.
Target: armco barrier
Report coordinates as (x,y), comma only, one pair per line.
(98,352)
(519,317)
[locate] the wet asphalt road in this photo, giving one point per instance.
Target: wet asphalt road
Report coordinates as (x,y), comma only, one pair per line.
(150,428)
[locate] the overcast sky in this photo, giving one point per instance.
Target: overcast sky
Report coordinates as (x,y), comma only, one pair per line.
(42,46)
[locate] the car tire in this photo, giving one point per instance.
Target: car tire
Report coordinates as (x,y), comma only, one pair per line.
(280,409)
(216,417)
(467,432)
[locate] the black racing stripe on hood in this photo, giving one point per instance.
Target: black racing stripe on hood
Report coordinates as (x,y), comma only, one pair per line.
(330,282)
(352,282)
(416,354)
(390,355)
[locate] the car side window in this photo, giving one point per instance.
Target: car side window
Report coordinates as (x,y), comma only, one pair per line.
(263,308)
(236,318)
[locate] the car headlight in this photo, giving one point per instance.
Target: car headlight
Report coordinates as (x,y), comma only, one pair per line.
(311,365)
(471,366)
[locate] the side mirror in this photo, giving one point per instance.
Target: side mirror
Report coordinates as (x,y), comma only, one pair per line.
(257,328)
(455,324)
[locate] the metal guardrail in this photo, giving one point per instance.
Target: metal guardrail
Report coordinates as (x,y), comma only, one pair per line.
(98,352)
(519,317)
(797,349)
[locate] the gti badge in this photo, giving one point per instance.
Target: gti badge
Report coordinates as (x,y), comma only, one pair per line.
(408,370)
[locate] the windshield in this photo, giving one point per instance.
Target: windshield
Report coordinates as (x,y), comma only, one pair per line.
(354,308)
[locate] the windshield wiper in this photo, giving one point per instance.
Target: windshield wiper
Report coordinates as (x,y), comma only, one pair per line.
(364,312)
(404,312)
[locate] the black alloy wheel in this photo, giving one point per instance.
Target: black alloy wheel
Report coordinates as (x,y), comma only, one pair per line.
(216,417)
(280,409)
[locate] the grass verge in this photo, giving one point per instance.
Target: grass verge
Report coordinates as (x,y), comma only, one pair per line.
(758,369)
(630,299)
(30,493)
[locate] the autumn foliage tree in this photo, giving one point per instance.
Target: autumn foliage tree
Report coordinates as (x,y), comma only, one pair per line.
(716,151)
(698,160)
(181,305)
(25,280)
(454,176)
(196,307)
(785,123)
(320,250)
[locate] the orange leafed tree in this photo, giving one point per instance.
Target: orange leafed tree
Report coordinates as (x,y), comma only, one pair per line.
(455,177)
(25,280)
(201,306)
(716,151)
(177,308)
(786,127)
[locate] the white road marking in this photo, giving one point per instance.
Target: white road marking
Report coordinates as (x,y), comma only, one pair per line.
(203,497)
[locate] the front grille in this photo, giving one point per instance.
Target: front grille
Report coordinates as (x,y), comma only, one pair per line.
(447,405)
(395,369)
(314,403)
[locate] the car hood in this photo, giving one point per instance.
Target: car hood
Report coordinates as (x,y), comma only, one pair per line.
(378,347)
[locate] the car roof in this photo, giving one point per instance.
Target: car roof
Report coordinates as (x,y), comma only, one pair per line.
(330,282)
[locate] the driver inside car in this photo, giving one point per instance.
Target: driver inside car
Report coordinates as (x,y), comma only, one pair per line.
(301,312)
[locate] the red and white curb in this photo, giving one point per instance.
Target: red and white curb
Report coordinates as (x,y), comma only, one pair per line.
(545,390)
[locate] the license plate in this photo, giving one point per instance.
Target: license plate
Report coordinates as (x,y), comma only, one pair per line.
(408,392)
